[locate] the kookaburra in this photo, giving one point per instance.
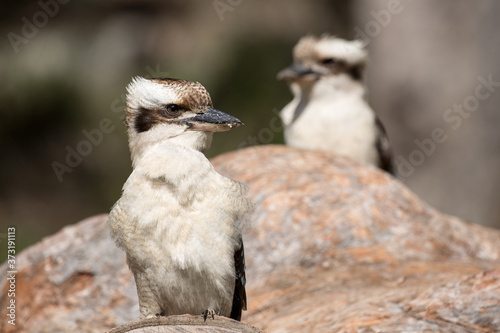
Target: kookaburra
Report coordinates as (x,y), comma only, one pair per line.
(178,220)
(328,111)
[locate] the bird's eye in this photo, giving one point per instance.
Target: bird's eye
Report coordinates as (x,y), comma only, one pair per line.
(328,61)
(173,109)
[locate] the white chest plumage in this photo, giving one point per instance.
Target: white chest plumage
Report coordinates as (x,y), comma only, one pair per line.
(182,227)
(333,120)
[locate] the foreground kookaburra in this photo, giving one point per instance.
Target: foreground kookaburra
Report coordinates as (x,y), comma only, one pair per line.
(178,220)
(328,111)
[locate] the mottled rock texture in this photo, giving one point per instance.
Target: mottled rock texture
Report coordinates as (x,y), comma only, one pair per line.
(333,246)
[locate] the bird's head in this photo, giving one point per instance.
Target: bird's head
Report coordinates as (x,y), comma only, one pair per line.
(171,109)
(325,56)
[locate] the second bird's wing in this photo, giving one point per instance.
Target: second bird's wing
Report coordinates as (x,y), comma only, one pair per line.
(384,148)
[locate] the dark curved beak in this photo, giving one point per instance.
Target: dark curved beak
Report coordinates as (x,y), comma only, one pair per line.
(296,72)
(212,120)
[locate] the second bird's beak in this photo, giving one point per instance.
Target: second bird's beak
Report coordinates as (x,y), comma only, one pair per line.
(296,72)
(212,120)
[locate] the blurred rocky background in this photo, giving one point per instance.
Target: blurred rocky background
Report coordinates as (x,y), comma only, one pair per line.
(65,65)
(380,259)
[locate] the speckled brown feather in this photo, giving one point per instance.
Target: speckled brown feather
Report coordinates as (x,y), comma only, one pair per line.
(193,94)
(304,50)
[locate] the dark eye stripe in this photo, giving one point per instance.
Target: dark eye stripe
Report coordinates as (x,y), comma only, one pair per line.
(144,120)
(328,61)
(356,72)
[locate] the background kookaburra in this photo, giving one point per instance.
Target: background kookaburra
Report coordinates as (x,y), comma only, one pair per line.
(328,111)
(178,220)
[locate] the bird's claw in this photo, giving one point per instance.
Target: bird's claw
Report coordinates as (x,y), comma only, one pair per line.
(207,313)
(161,314)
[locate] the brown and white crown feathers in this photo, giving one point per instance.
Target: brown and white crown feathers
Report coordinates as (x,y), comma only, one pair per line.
(313,48)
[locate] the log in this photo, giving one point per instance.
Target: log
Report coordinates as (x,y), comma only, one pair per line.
(333,246)
(184,324)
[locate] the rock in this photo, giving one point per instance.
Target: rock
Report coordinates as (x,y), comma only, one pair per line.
(74,281)
(338,246)
(333,246)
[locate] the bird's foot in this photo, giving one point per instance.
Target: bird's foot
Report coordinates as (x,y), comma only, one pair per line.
(161,314)
(207,313)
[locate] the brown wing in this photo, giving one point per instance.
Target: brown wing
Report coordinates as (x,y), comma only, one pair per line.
(384,148)
(240,296)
